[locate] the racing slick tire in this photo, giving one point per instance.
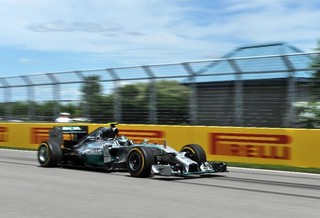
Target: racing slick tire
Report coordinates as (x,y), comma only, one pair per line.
(140,161)
(49,154)
(195,152)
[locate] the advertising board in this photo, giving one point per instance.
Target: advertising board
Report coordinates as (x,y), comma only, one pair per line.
(277,146)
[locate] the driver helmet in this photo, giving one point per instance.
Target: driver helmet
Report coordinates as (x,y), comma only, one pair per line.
(123,140)
(109,133)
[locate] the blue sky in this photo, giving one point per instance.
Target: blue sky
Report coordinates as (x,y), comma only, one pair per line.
(42,36)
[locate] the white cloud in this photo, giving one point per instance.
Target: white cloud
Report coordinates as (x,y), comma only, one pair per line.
(139,32)
(156,30)
(28,60)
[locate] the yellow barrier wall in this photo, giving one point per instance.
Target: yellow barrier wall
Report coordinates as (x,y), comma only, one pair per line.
(279,146)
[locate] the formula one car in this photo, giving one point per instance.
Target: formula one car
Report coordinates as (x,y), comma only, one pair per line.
(104,149)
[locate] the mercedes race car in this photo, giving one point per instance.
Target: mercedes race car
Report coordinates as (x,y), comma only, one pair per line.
(105,149)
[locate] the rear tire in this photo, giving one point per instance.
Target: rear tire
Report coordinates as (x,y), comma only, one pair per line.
(195,152)
(140,161)
(49,154)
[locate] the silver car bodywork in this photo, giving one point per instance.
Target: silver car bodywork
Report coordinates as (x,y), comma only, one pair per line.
(104,149)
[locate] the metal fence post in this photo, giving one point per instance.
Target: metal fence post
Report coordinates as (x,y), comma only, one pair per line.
(152,96)
(238,93)
(31,97)
(193,102)
(56,93)
(291,92)
(85,107)
(7,97)
(117,108)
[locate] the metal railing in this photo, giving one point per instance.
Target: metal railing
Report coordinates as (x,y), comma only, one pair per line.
(248,91)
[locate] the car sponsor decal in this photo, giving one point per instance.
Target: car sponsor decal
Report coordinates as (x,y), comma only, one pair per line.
(71,128)
(3,134)
(74,129)
(267,146)
(93,151)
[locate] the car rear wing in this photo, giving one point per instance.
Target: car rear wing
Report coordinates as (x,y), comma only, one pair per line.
(58,134)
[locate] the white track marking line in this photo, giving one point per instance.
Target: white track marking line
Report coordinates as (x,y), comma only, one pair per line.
(275,171)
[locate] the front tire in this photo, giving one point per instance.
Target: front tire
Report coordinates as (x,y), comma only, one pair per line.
(195,152)
(49,154)
(140,161)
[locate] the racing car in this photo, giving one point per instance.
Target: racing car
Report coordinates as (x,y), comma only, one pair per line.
(105,149)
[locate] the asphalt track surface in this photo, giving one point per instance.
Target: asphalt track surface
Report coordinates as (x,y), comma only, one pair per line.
(28,190)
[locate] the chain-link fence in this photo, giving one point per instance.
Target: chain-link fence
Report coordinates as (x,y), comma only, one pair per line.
(260,91)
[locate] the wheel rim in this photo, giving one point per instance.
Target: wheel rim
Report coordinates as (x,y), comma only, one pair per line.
(134,162)
(43,154)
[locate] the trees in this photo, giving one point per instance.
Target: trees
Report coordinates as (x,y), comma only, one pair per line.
(92,98)
(134,103)
(163,102)
(171,102)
